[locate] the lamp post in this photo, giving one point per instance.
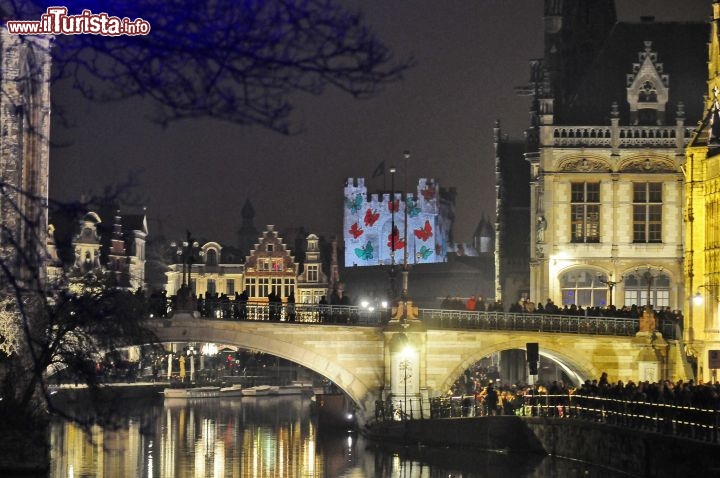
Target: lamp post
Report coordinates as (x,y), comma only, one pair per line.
(185,252)
(404,293)
(392,231)
(649,278)
(405,366)
(610,285)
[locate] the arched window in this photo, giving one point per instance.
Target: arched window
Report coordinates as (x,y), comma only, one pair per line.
(643,287)
(582,287)
(211,257)
(648,93)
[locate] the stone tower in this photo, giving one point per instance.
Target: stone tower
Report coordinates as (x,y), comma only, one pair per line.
(24,152)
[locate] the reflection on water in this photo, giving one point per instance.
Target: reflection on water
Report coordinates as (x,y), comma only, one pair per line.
(264,437)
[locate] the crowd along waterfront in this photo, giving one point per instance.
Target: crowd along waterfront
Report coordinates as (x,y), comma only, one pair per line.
(265,437)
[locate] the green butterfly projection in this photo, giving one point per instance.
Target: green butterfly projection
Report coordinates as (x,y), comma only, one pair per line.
(365,253)
(423,253)
(412,208)
(354,204)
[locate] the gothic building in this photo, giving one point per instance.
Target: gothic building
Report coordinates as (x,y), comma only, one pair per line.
(614,106)
(702,220)
(24,152)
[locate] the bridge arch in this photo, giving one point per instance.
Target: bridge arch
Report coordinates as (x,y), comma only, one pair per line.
(577,368)
(360,376)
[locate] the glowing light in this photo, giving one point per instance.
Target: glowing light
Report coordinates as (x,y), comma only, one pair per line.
(698,299)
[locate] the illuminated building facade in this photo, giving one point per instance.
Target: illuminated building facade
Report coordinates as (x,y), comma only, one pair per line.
(270,267)
(702,250)
(106,244)
(369,220)
(606,147)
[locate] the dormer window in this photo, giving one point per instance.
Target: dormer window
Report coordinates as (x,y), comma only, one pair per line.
(211,257)
(648,89)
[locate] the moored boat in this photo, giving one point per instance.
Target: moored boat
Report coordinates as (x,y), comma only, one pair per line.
(195,392)
(259,390)
(235,390)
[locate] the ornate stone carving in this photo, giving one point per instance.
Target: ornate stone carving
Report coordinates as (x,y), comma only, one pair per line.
(584,165)
(647,165)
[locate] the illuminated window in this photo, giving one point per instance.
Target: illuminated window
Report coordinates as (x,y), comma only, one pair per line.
(277,265)
(263,287)
(647,212)
(276,284)
(312,273)
(643,288)
(230,287)
(289,287)
(585,211)
(251,287)
(583,288)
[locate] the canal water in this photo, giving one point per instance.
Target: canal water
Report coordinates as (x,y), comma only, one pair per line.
(264,437)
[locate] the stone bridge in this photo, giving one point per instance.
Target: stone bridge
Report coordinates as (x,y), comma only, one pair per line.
(423,358)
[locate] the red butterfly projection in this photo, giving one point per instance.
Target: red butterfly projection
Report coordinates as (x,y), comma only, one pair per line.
(394,205)
(394,241)
(429,192)
(355,230)
(370,217)
(424,233)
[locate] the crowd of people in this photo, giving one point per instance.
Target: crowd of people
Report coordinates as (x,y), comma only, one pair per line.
(479,304)
(470,398)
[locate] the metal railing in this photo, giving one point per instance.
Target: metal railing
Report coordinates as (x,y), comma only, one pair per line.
(399,409)
(434,318)
(682,421)
(305,313)
(570,324)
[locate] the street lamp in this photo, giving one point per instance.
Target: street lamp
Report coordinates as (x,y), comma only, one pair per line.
(611,285)
(698,298)
(392,231)
(404,293)
(649,278)
(185,252)
(406,368)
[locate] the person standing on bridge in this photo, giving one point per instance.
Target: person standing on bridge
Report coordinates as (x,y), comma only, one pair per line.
(290,307)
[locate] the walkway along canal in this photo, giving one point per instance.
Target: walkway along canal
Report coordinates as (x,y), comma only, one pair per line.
(637,438)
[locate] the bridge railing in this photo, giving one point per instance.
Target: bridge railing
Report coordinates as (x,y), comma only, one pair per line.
(682,421)
(459,319)
(435,319)
(305,313)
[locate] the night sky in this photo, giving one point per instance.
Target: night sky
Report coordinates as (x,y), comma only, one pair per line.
(197,174)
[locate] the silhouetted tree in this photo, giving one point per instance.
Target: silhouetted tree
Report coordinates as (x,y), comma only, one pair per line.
(238,61)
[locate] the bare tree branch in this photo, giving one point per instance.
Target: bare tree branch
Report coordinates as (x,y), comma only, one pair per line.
(235,61)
